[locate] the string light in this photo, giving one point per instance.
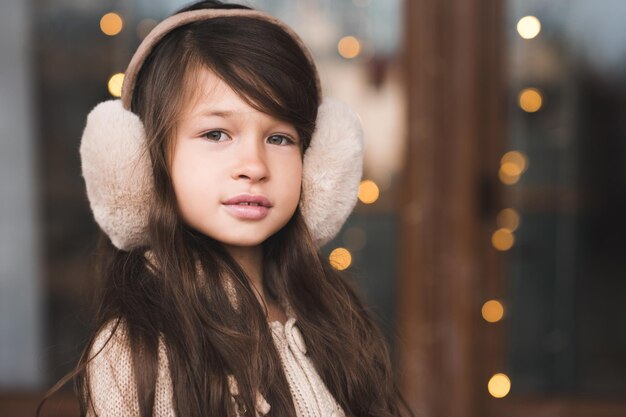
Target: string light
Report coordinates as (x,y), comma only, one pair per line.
(492,311)
(528,27)
(508,218)
(507,179)
(499,385)
(502,239)
(512,165)
(368,192)
(530,100)
(115,84)
(349,47)
(517,160)
(340,258)
(111,24)
(510,169)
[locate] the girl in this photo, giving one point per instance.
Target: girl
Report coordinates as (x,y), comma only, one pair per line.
(215,180)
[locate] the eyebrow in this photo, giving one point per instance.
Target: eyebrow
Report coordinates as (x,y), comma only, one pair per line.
(228,113)
(218,113)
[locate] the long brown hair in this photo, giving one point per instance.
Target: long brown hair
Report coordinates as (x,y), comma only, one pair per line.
(183,298)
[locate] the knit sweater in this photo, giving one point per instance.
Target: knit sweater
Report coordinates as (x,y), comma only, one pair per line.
(114,393)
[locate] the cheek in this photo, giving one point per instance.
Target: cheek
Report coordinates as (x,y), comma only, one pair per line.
(184,190)
(292,184)
(192,180)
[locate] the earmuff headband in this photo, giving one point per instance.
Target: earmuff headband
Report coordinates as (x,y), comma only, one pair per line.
(184,18)
(118,172)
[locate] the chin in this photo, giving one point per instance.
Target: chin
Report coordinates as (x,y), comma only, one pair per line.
(244,242)
(249,238)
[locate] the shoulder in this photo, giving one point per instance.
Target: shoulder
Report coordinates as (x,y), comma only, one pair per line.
(111,374)
(110,342)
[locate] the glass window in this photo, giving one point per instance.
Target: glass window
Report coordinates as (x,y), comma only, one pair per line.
(567,182)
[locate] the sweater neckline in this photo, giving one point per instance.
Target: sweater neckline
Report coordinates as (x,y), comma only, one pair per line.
(278,324)
(291,316)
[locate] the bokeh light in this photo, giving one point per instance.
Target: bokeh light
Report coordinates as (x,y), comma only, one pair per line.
(368,192)
(528,27)
(499,385)
(512,165)
(340,258)
(508,218)
(518,161)
(349,47)
(502,239)
(111,24)
(508,179)
(115,84)
(492,311)
(510,169)
(530,100)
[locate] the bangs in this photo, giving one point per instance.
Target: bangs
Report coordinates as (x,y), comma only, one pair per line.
(262,63)
(253,90)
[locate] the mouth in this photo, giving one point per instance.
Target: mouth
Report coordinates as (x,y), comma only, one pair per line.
(249,200)
(248,207)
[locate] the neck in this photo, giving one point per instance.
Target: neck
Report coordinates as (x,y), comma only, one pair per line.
(250,258)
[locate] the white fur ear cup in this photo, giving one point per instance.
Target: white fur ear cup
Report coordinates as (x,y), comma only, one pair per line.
(118,176)
(117,173)
(333,166)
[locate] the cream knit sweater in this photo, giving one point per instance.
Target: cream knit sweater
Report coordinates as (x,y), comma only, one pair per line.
(114,393)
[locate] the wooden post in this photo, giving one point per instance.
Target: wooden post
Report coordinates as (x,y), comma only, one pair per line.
(452,73)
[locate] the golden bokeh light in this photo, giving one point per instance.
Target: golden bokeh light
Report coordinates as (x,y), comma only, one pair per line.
(349,47)
(499,385)
(510,169)
(516,158)
(144,27)
(507,179)
(508,218)
(493,311)
(368,192)
(111,24)
(528,27)
(502,239)
(340,258)
(530,100)
(115,84)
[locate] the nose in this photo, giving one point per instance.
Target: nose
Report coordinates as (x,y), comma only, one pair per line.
(251,163)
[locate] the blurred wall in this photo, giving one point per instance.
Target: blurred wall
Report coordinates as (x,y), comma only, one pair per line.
(20,295)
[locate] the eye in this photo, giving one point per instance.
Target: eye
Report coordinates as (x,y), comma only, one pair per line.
(215,135)
(280,140)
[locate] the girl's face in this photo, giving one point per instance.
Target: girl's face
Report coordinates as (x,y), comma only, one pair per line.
(226,152)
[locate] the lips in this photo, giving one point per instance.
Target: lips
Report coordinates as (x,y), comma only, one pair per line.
(246,206)
(258,200)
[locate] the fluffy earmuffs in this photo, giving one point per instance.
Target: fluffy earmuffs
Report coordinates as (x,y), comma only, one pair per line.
(117,169)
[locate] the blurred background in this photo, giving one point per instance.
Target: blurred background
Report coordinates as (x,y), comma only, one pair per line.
(488,239)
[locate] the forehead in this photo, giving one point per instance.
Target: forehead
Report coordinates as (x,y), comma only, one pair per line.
(207,95)
(204,89)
